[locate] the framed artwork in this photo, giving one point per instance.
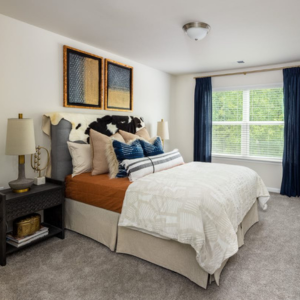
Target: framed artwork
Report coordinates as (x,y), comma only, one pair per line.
(118,92)
(83,79)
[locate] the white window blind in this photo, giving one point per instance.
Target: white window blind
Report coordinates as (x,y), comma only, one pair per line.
(248,124)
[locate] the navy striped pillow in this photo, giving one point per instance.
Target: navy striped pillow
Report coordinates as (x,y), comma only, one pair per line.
(152,149)
(138,168)
(125,151)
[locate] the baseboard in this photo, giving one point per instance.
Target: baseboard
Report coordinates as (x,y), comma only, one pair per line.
(273,190)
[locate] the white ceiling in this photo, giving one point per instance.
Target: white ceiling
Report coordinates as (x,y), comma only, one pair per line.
(260,32)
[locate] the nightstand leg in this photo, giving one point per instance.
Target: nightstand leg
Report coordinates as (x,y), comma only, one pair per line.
(2,232)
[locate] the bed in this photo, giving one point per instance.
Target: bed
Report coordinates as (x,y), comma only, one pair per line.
(98,217)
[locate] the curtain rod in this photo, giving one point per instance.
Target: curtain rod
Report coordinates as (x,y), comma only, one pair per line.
(247,72)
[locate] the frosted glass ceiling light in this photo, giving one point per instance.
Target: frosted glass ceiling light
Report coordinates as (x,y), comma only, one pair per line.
(196,30)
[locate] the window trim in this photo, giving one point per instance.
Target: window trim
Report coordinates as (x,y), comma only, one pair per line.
(246,123)
(249,87)
(249,159)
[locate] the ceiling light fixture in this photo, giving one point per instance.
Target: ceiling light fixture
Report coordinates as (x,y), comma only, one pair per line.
(196,30)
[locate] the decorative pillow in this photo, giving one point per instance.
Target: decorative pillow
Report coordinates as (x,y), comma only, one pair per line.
(99,144)
(137,168)
(142,133)
(117,136)
(152,149)
(127,136)
(81,158)
(117,152)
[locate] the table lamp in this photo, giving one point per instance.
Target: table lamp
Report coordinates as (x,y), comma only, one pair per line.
(163,130)
(20,141)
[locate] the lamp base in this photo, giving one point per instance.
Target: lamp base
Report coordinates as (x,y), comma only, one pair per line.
(21,185)
(21,191)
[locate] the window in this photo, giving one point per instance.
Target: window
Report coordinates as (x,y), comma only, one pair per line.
(248,124)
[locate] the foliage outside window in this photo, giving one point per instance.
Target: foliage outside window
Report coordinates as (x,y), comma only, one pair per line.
(248,124)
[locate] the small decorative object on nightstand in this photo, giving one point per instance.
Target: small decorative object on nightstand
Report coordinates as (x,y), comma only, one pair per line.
(163,130)
(36,165)
(20,141)
(27,225)
(48,197)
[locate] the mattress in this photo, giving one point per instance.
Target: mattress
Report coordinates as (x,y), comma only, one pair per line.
(99,190)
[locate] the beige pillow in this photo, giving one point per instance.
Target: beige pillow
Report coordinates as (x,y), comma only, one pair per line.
(127,136)
(99,143)
(81,158)
(117,136)
(143,133)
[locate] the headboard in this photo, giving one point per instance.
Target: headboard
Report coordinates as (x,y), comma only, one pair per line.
(61,161)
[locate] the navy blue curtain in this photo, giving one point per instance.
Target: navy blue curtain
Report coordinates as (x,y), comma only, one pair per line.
(203,120)
(290,185)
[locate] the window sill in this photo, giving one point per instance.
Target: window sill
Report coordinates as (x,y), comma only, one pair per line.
(246,159)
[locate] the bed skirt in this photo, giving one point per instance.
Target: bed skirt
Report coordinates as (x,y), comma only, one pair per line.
(94,222)
(177,257)
(102,226)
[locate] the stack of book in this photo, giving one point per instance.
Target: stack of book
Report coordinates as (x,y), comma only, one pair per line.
(19,242)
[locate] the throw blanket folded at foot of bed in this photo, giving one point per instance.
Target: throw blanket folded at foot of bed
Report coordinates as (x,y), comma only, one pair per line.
(200,204)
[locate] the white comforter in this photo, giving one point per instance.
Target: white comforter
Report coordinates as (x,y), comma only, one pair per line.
(200,204)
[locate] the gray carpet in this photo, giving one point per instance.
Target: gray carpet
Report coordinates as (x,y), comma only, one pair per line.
(266,267)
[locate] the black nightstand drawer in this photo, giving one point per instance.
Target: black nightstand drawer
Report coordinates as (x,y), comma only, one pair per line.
(16,208)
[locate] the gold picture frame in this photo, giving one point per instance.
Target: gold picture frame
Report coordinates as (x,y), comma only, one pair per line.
(83,79)
(118,91)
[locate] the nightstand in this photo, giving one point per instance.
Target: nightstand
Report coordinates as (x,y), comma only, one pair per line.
(48,197)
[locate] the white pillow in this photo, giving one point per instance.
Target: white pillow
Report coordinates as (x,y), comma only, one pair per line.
(81,158)
(140,167)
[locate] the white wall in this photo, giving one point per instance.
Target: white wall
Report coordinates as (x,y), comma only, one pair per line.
(182,118)
(31,82)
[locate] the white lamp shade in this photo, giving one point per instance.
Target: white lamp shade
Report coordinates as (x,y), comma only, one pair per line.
(20,137)
(163,130)
(197,33)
